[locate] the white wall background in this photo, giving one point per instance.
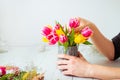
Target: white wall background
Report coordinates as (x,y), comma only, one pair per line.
(21,20)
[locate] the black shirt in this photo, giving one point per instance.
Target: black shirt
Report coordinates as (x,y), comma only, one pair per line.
(116,42)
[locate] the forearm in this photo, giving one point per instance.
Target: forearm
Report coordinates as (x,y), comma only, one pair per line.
(105,73)
(103,44)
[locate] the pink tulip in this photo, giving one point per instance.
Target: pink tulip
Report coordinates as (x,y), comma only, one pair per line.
(63,39)
(46,31)
(49,36)
(74,22)
(54,39)
(57,26)
(2,70)
(86,32)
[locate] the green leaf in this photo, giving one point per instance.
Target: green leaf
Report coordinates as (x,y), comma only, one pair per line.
(87,43)
(71,37)
(66,30)
(59,43)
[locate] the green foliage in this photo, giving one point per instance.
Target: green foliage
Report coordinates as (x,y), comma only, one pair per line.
(87,43)
(11,76)
(7,77)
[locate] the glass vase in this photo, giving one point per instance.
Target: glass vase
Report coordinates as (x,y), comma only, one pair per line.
(72,50)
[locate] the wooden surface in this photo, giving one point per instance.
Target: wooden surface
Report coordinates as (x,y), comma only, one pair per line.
(45,60)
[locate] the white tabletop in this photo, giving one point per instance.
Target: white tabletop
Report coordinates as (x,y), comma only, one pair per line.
(45,60)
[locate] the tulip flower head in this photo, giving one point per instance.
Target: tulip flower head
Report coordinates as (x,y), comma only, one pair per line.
(2,70)
(74,22)
(86,32)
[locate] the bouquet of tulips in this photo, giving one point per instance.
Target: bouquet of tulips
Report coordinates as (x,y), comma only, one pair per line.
(65,35)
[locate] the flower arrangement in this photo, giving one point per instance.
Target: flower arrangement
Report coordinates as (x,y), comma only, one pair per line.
(66,35)
(14,73)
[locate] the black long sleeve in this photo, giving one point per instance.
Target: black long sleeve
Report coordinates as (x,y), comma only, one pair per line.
(116,42)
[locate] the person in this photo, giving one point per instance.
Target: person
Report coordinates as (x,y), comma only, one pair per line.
(80,67)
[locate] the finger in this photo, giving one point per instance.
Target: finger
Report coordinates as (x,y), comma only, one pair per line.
(66,72)
(62,67)
(78,29)
(59,62)
(65,56)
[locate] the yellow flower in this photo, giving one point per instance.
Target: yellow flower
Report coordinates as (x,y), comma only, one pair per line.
(60,32)
(25,76)
(33,73)
(79,39)
(44,39)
